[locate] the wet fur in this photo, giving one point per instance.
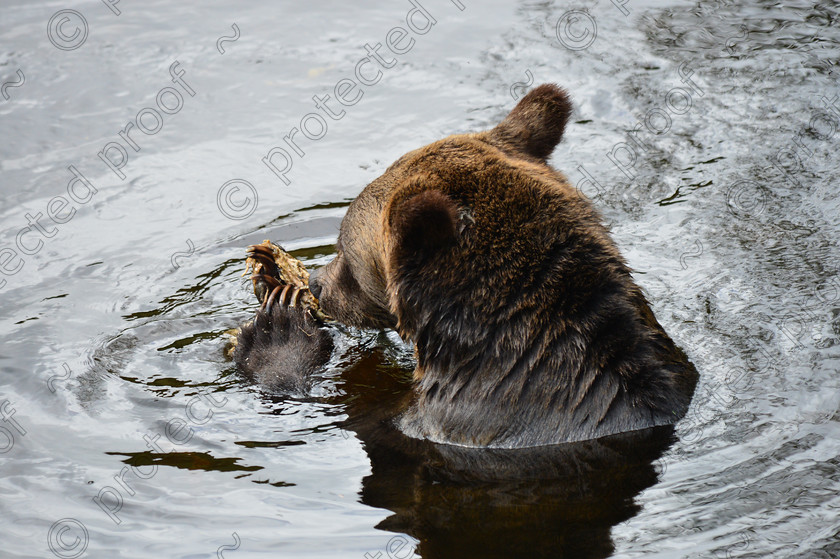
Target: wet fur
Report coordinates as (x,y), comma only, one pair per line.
(281,348)
(528,326)
(529,329)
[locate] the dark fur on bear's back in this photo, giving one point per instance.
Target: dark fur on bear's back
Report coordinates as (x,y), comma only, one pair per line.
(528,326)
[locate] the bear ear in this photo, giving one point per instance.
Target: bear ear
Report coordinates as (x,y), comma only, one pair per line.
(536,123)
(421,224)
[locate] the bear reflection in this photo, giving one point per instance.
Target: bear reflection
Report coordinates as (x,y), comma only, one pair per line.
(552,501)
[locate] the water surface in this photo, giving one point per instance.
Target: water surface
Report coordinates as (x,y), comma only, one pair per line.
(724,201)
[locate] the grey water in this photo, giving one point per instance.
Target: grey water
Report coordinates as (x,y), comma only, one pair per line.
(133,174)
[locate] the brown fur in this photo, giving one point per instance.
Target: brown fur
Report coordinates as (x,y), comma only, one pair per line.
(528,325)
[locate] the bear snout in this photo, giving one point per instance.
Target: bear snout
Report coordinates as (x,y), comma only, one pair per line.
(315,283)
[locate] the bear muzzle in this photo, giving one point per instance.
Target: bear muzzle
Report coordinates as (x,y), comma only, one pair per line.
(315,283)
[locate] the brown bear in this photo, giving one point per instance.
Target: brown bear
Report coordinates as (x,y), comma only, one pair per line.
(528,327)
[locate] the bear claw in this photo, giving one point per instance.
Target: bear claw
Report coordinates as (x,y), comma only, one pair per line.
(272,268)
(263,255)
(293,300)
(263,284)
(289,296)
(269,298)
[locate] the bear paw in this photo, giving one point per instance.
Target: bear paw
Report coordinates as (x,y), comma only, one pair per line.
(284,344)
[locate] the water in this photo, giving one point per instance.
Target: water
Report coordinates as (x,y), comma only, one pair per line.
(113,328)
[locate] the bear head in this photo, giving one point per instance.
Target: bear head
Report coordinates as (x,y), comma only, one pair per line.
(419,206)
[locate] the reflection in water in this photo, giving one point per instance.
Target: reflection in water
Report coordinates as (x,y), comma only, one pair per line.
(554,501)
(184,460)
